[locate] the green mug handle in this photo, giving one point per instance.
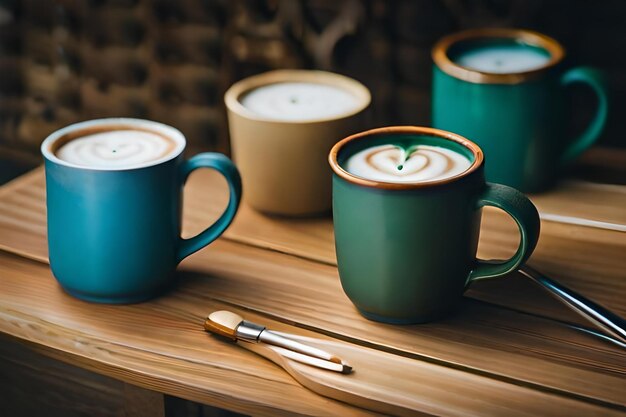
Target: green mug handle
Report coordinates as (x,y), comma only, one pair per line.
(596,80)
(518,206)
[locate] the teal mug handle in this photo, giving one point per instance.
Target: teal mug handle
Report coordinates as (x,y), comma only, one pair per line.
(518,206)
(596,80)
(225,167)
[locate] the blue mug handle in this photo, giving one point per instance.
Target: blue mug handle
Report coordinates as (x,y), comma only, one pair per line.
(225,167)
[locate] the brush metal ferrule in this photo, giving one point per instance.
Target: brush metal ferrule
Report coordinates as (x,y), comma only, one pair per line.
(249,332)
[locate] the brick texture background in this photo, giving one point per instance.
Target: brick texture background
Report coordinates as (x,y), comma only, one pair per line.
(63,61)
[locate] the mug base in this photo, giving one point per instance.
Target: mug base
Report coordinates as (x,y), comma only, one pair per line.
(401,321)
(134,299)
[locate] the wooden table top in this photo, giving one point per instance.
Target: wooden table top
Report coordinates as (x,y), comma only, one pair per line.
(506,352)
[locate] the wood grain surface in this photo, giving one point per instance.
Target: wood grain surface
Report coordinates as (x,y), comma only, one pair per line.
(507,332)
(161,346)
(61,390)
(32,384)
(154,346)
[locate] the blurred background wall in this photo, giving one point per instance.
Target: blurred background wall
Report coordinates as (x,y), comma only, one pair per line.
(63,61)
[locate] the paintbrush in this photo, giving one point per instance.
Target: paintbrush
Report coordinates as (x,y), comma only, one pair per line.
(234,327)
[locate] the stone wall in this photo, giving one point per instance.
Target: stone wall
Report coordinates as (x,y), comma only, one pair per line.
(68,60)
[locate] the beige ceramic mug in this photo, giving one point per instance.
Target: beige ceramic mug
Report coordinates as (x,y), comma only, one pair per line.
(282,126)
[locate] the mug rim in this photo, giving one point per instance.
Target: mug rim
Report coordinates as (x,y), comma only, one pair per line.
(392,130)
(442,60)
(47,146)
(237,90)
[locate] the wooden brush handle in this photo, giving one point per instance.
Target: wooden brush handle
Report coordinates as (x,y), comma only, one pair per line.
(209,326)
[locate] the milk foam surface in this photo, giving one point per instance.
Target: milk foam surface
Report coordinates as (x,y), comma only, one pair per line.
(503,59)
(390,163)
(116,149)
(299,101)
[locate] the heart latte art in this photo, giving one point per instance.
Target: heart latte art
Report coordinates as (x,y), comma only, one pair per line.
(116,149)
(418,163)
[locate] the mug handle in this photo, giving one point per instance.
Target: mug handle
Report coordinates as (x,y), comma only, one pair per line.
(596,80)
(225,167)
(518,206)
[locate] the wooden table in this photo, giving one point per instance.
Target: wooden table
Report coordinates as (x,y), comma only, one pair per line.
(506,352)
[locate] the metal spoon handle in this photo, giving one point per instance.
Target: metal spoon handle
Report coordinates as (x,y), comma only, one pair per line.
(610,323)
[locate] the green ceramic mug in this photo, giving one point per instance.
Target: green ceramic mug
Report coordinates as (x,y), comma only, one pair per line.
(505,89)
(407,251)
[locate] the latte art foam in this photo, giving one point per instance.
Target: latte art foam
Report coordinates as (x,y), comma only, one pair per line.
(390,163)
(116,149)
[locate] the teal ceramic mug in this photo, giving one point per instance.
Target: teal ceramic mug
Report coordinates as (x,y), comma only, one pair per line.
(506,89)
(407,251)
(115,208)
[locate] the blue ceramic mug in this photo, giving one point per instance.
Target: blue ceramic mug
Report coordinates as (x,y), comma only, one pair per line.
(114,231)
